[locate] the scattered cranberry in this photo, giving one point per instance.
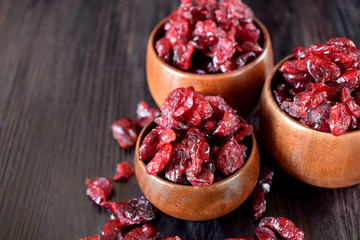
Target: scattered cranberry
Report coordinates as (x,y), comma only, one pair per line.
(95,237)
(263,233)
(146,232)
(145,114)
(197,140)
(99,190)
(124,171)
(112,230)
(321,86)
(134,211)
(209,36)
(125,132)
(283,226)
(263,186)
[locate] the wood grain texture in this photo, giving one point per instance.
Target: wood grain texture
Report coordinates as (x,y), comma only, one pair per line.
(68,69)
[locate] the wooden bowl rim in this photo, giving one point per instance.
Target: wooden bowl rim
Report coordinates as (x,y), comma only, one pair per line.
(209,188)
(301,127)
(215,76)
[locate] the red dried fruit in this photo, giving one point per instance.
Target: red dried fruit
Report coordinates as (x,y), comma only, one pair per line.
(134,211)
(124,171)
(166,136)
(178,162)
(283,226)
(343,42)
(206,32)
(301,52)
(219,106)
(178,102)
(199,150)
(169,122)
(147,149)
(124,132)
(350,102)
(317,117)
(308,100)
(161,158)
(171,238)
(203,106)
(178,30)
(340,118)
(223,51)
(263,186)
(244,130)
(231,157)
(182,54)
(228,125)
(95,237)
(294,70)
(263,233)
(349,79)
(280,93)
(204,178)
(164,49)
(145,114)
(112,230)
(144,232)
(322,70)
(99,190)
(291,108)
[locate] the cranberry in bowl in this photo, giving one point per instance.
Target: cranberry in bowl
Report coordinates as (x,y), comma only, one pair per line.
(220,48)
(198,160)
(308,114)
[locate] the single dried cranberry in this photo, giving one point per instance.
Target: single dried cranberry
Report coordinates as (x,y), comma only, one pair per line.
(124,132)
(340,118)
(204,178)
(301,52)
(244,130)
(317,117)
(343,42)
(292,109)
(293,67)
(248,46)
(147,149)
(99,190)
(351,103)
(145,114)
(264,233)
(322,88)
(203,106)
(321,69)
(95,237)
(179,30)
(164,49)
(199,150)
(192,117)
(178,162)
(349,79)
(124,171)
(308,100)
(134,211)
(219,105)
(206,32)
(112,230)
(161,158)
(228,125)
(283,226)
(178,102)
(280,93)
(263,186)
(182,54)
(144,232)
(231,157)
(223,50)
(169,122)
(166,136)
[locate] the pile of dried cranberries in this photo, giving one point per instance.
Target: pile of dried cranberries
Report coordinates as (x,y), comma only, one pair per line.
(197,139)
(209,36)
(322,86)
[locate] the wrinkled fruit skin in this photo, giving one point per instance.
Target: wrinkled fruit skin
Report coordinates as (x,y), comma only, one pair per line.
(320,86)
(125,132)
(134,211)
(146,231)
(284,227)
(262,187)
(209,37)
(263,233)
(112,230)
(99,190)
(197,140)
(124,171)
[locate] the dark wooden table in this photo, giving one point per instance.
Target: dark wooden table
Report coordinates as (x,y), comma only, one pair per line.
(69,68)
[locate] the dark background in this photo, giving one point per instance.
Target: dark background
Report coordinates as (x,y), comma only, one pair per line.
(68,69)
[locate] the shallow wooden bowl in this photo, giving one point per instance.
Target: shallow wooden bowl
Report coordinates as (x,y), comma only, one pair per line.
(197,204)
(311,156)
(241,88)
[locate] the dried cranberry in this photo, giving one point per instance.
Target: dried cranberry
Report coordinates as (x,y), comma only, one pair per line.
(292,109)
(308,100)
(349,79)
(147,149)
(178,102)
(280,93)
(124,171)
(340,118)
(283,226)
(144,232)
(317,117)
(204,178)
(166,136)
(343,42)
(169,122)
(134,211)
(99,189)
(112,230)
(231,157)
(244,130)
(219,105)
(164,49)
(124,132)
(223,51)
(178,162)
(179,30)
(95,237)
(263,186)
(263,233)
(145,114)
(161,158)
(321,69)
(199,150)
(350,102)
(228,125)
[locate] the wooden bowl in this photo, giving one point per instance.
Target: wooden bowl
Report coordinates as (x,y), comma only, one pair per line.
(314,157)
(197,204)
(241,88)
